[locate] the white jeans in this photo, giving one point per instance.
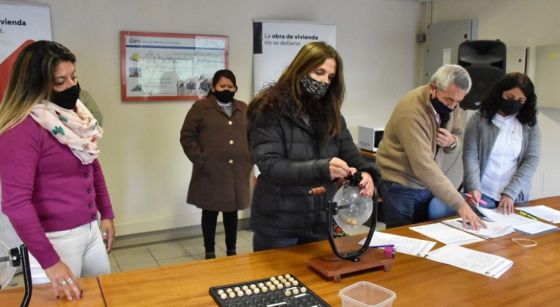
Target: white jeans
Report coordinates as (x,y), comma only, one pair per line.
(80,248)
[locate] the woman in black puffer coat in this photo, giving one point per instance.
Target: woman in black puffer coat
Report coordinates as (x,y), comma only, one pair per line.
(300,141)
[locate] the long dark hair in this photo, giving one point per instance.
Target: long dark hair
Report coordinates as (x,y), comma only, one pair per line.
(324,114)
(527,114)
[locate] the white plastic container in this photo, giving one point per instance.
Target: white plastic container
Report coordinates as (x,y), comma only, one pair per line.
(366,294)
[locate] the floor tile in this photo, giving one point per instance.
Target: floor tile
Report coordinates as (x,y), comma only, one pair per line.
(176,260)
(132,255)
(219,253)
(193,245)
(244,238)
(220,241)
(198,256)
(243,250)
(113,261)
(16,282)
(138,265)
(167,250)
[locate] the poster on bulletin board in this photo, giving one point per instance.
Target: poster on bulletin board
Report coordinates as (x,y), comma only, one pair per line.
(169,66)
(20,25)
(276,42)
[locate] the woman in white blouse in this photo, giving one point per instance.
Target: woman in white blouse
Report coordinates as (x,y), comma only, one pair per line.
(501,147)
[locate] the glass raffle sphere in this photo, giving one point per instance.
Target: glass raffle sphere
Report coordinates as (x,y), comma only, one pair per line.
(349,210)
(352,210)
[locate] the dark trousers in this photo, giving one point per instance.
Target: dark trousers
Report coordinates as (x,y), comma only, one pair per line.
(403,205)
(263,242)
(209,221)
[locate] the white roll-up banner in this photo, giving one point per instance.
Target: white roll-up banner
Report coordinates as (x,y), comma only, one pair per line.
(276,42)
(20,25)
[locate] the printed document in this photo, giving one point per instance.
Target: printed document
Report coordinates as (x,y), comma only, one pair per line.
(544,213)
(517,221)
(446,234)
(405,245)
(492,230)
(471,260)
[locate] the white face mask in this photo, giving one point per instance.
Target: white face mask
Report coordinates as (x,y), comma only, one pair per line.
(314,88)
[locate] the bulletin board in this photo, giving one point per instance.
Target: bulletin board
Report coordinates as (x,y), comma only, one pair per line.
(169,66)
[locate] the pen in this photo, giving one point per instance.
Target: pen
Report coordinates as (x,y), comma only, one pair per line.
(482,201)
(527,215)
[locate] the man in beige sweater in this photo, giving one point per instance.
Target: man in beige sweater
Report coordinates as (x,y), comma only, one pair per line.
(417,132)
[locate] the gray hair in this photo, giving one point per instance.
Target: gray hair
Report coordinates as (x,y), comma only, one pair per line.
(452,74)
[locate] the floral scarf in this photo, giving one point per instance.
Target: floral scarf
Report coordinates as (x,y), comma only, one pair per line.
(77,128)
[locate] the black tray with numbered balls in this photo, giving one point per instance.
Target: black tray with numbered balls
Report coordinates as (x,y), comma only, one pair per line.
(282,291)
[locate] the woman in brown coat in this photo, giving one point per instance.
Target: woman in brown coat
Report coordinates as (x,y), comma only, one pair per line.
(214,138)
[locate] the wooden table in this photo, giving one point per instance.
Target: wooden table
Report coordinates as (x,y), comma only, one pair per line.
(532,281)
(43,296)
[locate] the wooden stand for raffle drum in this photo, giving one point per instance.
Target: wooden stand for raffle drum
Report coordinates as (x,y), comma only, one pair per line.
(349,255)
(333,267)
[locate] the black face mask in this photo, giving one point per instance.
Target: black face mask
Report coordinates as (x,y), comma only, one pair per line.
(442,110)
(510,106)
(314,88)
(224,96)
(67,99)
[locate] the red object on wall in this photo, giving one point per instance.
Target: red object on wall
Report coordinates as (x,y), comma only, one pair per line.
(6,67)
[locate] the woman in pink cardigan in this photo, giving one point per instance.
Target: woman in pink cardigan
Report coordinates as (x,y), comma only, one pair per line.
(52,185)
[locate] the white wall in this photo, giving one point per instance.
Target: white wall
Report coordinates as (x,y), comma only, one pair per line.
(144,165)
(519,23)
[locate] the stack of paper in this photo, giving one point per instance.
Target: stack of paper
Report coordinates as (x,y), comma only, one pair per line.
(471,260)
(517,221)
(492,230)
(446,234)
(405,245)
(544,213)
